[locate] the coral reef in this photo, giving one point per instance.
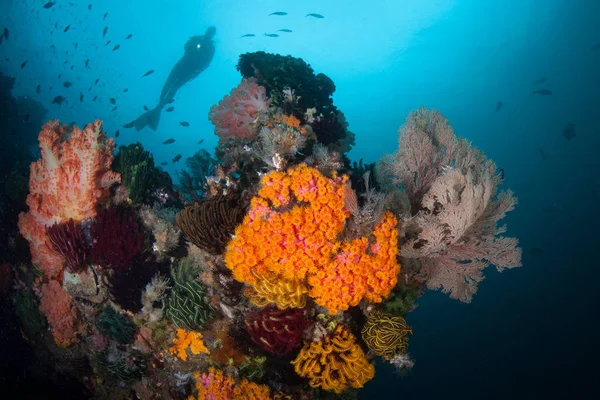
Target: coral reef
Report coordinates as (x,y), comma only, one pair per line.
(336,363)
(289,269)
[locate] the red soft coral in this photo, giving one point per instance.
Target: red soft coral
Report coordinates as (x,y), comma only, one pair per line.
(61,314)
(236,112)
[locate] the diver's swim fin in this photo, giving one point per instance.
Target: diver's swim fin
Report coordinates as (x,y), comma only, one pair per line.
(148,119)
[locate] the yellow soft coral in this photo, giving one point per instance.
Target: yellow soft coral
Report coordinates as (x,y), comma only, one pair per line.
(186,339)
(336,363)
(214,385)
(287,245)
(385,334)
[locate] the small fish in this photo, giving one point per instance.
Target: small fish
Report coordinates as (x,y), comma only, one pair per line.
(169,141)
(129,125)
(176,158)
(112,100)
(248,35)
(49,5)
(115,108)
(543,92)
(184,123)
(23,64)
(104,32)
(72,67)
(314,15)
(169,109)
(201,141)
(87,63)
(89,6)
(80,97)
(146,108)
(67,84)
(38,88)
(59,100)
(271,35)
(164,163)
(66,28)
(59,75)
(117,133)
(278,13)
(105,15)
(117,47)
(129,36)
(150,72)
(6,33)
(125,90)
(96,81)
(539,80)
(569,131)
(95,98)
(284,30)
(107,43)
(76,44)
(499,105)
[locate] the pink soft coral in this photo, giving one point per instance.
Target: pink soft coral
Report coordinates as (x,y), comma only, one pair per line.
(235,114)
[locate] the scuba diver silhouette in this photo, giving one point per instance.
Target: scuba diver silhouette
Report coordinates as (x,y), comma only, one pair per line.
(198,53)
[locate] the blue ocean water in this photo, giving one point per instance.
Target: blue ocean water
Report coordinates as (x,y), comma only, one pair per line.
(530,332)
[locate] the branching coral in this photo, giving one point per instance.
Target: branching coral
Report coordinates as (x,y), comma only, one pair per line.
(214,385)
(117,237)
(68,239)
(386,334)
(186,339)
(188,306)
(277,331)
(452,189)
(336,363)
(68,182)
(288,245)
(210,223)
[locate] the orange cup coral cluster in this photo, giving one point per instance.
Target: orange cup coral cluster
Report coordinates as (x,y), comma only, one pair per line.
(287,245)
(216,386)
(186,339)
(336,363)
